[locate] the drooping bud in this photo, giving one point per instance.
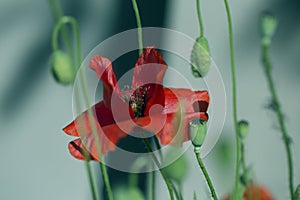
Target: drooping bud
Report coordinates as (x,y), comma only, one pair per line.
(268,27)
(200,57)
(243,128)
(62,68)
(297,193)
(197,131)
(178,169)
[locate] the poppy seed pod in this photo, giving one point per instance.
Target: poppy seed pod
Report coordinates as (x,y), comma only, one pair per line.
(62,68)
(197,131)
(243,128)
(268,27)
(200,57)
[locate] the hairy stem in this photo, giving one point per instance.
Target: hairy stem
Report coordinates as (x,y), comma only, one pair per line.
(208,180)
(245,171)
(280,117)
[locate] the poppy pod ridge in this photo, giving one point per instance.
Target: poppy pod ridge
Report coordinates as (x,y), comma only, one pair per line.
(147,105)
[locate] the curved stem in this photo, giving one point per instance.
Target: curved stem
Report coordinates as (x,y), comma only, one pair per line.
(58,13)
(233,77)
(200,18)
(58,26)
(62,21)
(139,25)
(208,180)
(168,183)
(280,117)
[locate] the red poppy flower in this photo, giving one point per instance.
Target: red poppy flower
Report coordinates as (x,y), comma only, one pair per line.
(258,192)
(148,106)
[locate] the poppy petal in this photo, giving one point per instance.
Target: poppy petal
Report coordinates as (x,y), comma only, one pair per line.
(149,68)
(258,192)
(87,143)
(103,118)
(148,73)
(194,101)
(105,72)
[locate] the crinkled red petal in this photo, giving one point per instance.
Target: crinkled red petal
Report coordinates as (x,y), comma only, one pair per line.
(193,101)
(149,72)
(105,72)
(101,115)
(170,129)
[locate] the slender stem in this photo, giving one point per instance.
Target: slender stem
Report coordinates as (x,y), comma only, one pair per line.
(168,183)
(234,94)
(200,18)
(280,117)
(91,180)
(62,21)
(151,185)
(208,180)
(139,25)
(158,146)
(245,171)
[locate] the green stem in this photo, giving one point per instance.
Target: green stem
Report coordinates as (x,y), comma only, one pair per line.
(58,13)
(200,18)
(168,183)
(151,185)
(139,25)
(91,180)
(280,117)
(208,180)
(245,171)
(62,21)
(158,146)
(235,118)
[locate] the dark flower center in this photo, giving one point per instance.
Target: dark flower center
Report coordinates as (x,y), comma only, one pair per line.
(137,101)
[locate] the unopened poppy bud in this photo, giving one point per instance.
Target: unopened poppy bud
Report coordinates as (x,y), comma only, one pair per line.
(197,131)
(127,193)
(62,68)
(243,128)
(200,57)
(297,193)
(268,27)
(178,169)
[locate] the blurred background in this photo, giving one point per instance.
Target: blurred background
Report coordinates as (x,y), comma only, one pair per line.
(35,163)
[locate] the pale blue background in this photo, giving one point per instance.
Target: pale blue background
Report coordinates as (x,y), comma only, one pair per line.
(35,163)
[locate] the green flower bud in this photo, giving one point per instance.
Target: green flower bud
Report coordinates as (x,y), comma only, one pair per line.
(197,131)
(200,57)
(297,193)
(62,68)
(127,193)
(178,169)
(243,128)
(268,27)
